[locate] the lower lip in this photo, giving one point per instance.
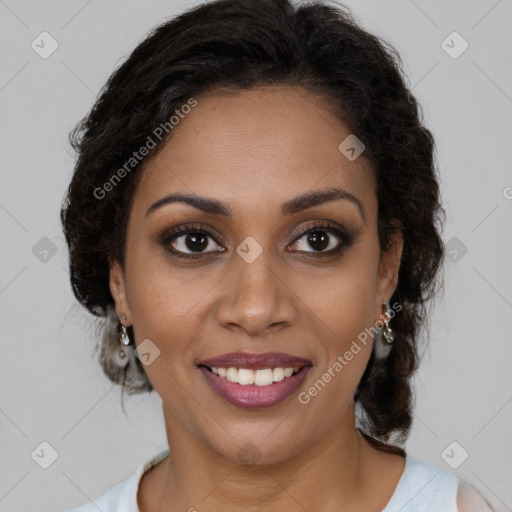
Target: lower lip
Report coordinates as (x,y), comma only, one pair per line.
(252,396)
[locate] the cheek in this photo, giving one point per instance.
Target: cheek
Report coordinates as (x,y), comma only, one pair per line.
(163,300)
(344,308)
(347,313)
(167,311)
(344,299)
(344,304)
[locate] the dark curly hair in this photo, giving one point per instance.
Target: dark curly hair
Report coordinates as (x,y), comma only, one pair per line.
(236,45)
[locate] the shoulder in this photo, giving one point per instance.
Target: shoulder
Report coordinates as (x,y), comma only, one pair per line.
(431,475)
(424,487)
(112,500)
(470,500)
(437,487)
(123,496)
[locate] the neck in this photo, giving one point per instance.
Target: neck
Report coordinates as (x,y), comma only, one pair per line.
(196,477)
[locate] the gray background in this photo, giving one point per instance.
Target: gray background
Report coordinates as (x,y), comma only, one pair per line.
(52,389)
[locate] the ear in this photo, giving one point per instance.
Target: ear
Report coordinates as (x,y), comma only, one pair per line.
(118,291)
(388,270)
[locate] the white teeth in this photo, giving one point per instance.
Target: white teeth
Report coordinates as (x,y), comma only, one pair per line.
(278,374)
(288,372)
(263,377)
(232,375)
(245,377)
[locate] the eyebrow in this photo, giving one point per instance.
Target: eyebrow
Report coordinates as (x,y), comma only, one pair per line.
(297,204)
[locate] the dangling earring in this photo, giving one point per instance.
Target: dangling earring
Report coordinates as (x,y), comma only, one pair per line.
(124,341)
(387,333)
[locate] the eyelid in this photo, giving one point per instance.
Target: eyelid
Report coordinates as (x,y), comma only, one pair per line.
(186,228)
(170,235)
(346,237)
(324,225)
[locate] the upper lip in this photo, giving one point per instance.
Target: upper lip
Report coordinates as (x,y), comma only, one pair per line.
(255,361)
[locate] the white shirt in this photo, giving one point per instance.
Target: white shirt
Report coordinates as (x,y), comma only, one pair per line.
(422,487)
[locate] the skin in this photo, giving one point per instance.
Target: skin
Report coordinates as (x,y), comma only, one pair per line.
(253,150)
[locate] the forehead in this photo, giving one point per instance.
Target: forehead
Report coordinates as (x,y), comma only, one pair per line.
(254,148)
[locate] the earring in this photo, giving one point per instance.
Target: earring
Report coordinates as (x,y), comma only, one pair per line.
(124,341)
(387,333)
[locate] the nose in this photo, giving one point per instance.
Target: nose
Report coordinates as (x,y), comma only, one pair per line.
(256,299)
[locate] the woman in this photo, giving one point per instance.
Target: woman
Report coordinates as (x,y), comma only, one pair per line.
(255,212)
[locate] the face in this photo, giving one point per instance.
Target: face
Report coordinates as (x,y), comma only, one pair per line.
(263,266)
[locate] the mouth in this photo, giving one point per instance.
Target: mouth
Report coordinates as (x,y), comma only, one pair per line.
(255,380)
(246,376)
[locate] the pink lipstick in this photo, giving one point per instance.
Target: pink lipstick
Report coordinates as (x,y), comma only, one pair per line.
(255,380)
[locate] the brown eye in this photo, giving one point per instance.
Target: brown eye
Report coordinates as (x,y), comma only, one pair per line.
(318,240)
(190,242)
(193,242)
(323,239)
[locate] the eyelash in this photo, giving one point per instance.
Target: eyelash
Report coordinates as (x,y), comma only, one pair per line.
(347,239)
